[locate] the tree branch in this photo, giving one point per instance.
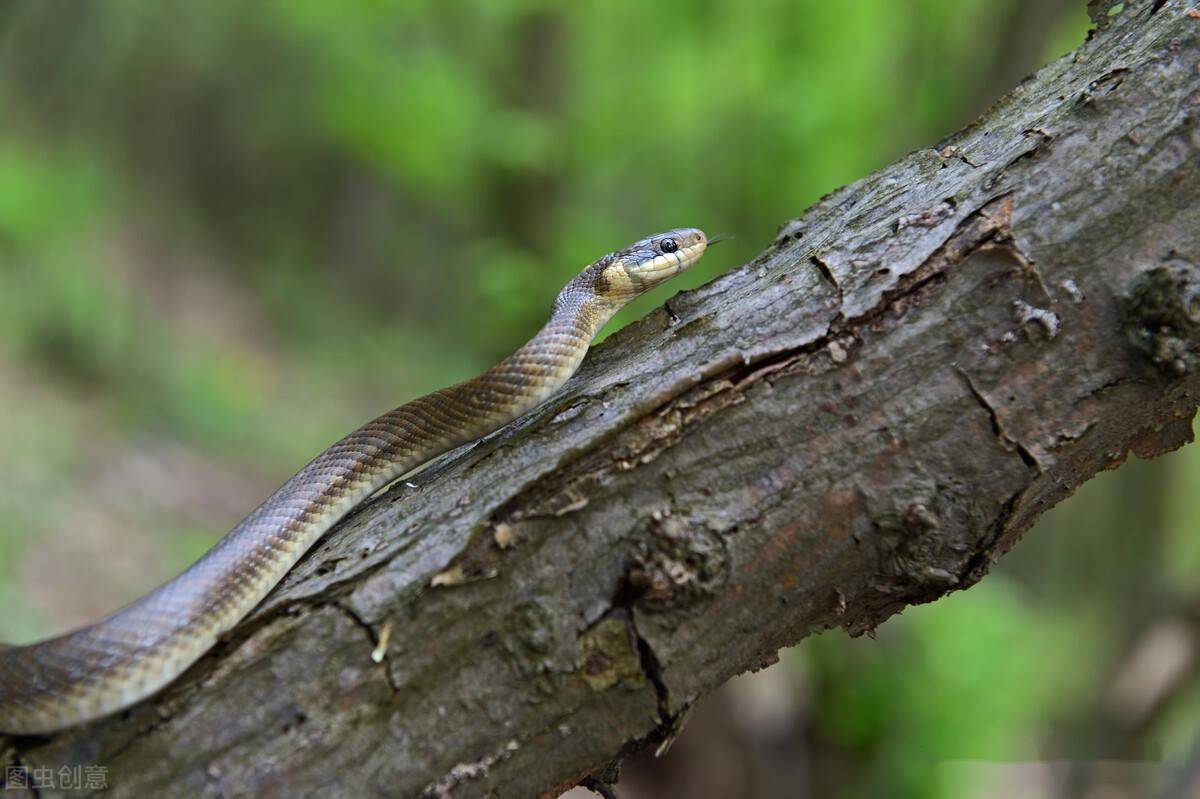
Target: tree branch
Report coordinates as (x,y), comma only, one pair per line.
(862,418)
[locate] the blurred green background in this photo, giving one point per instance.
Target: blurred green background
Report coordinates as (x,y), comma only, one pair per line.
(230,232)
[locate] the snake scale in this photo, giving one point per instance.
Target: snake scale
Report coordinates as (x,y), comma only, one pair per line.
(108,666)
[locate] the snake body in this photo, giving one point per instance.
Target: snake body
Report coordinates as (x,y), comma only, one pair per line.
(108,666)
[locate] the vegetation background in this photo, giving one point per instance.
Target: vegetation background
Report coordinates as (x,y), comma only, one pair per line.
(230,232)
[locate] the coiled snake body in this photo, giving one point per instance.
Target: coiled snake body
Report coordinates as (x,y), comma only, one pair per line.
(109,665)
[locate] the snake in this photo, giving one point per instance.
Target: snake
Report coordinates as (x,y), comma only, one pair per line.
(112,664)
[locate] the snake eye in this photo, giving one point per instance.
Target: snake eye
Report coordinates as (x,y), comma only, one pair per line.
(668,245)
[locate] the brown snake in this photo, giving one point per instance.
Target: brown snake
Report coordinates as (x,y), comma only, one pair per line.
(110,665)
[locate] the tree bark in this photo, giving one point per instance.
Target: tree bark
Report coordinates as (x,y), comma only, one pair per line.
(862,418)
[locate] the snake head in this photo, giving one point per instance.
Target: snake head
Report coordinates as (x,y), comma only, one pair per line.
(644,264)
(612,281)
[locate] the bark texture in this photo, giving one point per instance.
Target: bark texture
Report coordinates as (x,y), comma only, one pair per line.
(864,417)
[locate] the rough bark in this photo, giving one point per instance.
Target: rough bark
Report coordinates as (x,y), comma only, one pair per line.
(864,417)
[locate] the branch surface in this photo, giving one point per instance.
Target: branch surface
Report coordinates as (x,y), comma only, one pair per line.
(862,418)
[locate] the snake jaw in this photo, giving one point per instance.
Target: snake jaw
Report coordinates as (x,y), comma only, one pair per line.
(668,265)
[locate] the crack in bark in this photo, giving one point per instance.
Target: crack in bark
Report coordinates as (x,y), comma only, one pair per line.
(827,273)
(652,669)
(1010,443)
(1043,141)
(373,637)
(978,564)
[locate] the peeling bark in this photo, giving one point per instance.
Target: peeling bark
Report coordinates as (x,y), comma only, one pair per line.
(863,418)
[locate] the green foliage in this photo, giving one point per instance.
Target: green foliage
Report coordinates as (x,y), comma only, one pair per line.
(967,679)
(1182,509)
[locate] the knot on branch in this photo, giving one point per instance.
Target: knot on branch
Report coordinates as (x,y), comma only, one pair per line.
(1163,315)
(911,544)
(680,565)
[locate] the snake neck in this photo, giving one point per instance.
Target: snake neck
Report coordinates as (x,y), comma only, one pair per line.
(579,307)
(544,363)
